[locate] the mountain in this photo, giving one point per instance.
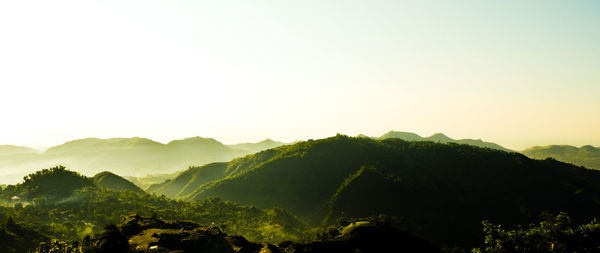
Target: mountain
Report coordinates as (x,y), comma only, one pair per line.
(6,150)
(256,147)
(49,184)
(108,180)
(135,157)
(402,135)
(146,181)
(439,137)
(188,181)
(587,156)
(324,180)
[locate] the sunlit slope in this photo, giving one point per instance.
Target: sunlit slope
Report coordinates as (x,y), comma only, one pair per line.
(587,156)
(432,187)
(191,180)
(108,180)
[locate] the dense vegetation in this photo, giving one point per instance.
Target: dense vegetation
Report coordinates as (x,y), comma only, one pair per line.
(80,209)
(323,180)
(553,234)
(587,156)
(330,184)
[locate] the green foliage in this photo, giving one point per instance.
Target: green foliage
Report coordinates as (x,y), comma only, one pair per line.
(86,210)
(80,209)
(18,237)
(554,234)
(56,182)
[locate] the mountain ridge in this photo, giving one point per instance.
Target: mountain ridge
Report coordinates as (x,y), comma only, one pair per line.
(587,155)
(134,156)
(440,137)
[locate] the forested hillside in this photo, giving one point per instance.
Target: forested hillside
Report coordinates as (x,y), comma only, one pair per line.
(58,203)
(323,180)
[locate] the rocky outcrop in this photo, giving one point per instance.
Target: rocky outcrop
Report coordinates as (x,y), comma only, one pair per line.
(142,234)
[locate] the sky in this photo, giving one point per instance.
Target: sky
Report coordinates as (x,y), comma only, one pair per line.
(518,73)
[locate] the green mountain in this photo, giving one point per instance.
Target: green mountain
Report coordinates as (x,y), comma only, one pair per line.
(135,157)
(108,180)
(587,156)
(49,185)
(189,180)
(439,137)
(323,180)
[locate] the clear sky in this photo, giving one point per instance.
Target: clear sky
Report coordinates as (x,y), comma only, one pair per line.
(519,73)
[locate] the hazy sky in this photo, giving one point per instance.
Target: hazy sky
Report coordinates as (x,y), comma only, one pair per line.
(519,73)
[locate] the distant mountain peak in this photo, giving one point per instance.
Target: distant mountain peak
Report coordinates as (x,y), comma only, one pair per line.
(12,150)
(407,136)
(440,137)
(195,140)
(268,141)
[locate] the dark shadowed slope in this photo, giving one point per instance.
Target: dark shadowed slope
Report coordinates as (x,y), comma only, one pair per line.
(340,176)
(108,180)
(587,156)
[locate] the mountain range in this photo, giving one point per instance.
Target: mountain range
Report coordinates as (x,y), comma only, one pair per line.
(124,156)
(438,137)
(324,180)
(147,162)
